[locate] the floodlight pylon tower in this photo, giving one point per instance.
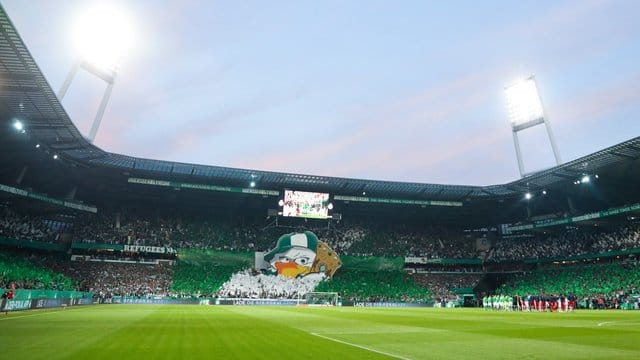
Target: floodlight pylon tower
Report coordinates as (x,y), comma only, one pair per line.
(525,111)
(107,75)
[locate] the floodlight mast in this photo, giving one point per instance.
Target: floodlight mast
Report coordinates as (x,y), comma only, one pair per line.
(108,75)
(102,37)
(526,111)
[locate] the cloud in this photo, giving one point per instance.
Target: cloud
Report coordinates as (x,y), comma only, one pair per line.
(600,100)
(418,135)
(430,160)
(367,137)
(171,143)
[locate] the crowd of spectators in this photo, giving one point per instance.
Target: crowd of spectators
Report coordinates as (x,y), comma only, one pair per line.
(250,284)
(25,227)
(44,271)
(176,232)
(26,272)
(346,238)
(104,276)
(201,278)
(443,285)
(429,241)
(452,268)
(354,237)
(357,238)
(122,228)
(596,286)
(570,243)
(381,286)
(107,279)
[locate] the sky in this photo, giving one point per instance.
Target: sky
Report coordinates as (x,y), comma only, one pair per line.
(384,90)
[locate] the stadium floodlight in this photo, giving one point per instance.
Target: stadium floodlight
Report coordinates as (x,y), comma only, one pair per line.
(528,196)
(523,102)
(585,179)
(103,36)
(55,156)
(525,109)
(18,125)
(252,184)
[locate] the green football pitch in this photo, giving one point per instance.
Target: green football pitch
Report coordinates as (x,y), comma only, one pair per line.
(235,332)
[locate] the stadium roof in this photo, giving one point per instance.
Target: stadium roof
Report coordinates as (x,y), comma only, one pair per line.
(26,95)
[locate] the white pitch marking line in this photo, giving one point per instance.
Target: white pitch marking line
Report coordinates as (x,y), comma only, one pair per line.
(21,316)
(606,322)
(622,322)
(360,347)
(24,316)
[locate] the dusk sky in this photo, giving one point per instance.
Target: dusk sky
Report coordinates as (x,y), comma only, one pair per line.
(385,90)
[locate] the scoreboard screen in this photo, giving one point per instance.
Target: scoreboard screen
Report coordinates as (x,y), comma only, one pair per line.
(305,204)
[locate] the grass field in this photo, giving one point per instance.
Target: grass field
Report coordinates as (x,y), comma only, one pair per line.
(230,332)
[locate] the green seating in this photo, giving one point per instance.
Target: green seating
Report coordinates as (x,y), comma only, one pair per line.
(579,280)
(14,267)
(387,286)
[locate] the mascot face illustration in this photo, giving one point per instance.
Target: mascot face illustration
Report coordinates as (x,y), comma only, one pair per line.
(294,262)
(300,254)
(294,254)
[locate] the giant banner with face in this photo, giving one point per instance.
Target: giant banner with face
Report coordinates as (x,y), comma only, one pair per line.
(300,254)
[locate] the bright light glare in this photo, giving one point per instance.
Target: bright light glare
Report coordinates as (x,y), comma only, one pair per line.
(528,196)
(252,184)
(585,179)
(103,36)
(523,102)
(18,125)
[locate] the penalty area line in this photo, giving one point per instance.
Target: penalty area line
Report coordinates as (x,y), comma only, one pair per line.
(360,346)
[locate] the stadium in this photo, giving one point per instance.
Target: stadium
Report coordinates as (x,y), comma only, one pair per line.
(110,255)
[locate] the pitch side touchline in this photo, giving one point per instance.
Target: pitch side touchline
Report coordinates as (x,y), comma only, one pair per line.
(40,312)
(24,316)
(360,346)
